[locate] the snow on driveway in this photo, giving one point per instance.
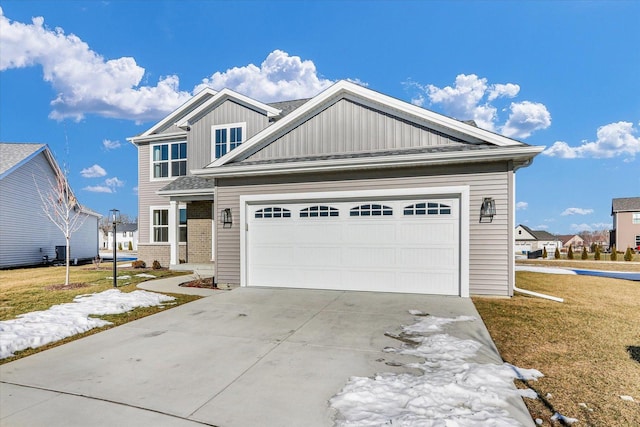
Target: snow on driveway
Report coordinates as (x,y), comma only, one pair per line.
(451,390)
(39,328)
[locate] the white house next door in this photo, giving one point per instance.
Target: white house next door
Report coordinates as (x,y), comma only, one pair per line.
(365,244)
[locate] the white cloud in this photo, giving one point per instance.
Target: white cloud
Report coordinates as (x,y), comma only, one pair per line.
(279,77)
(95,171)
(473,98)
(114,182)
(110,145)
(581,227)
(98,189)
(522,205)
(576,211)
(110,185)
(541,227)
(85,82)
(612,140)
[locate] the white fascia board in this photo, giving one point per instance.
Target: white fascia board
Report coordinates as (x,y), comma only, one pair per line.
(199,191)
(523,154)
(229,94)
(173,116)
(157,138)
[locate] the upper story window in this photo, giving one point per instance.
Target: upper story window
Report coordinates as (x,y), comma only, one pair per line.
(635,219)
(169,160)
(226,137)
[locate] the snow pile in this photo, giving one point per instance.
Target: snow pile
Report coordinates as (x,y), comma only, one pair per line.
(451,391)
(548,270)
(38,328)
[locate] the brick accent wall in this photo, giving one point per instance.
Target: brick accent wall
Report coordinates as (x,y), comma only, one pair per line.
(150,253)
(199,232)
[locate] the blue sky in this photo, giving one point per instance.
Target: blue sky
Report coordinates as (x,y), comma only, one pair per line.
(82,76)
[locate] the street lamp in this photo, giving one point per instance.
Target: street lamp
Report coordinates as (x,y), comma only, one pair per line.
(114,215)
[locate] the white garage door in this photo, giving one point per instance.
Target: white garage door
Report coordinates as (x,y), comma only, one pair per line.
(366,245)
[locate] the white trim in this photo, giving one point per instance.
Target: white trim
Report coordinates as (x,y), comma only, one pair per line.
(222,96)
(461,191)
(227,126)
(344,88)
(151,161)
(158,137)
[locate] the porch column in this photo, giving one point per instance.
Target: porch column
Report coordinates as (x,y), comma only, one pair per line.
(174,216)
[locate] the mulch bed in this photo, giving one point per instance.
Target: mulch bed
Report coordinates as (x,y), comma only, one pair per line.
(200,283)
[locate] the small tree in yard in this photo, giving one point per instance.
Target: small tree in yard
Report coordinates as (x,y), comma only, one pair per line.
(60,205)
(614,254)
(130,245)
(596,255)
(570,252)
(544,253)
(584,255)
(556,254)
(628,255)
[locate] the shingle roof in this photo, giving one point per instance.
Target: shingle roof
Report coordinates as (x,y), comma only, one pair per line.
(190,182)
(540,234)
(286,107)
(625,204)
(11,154)
(126,227)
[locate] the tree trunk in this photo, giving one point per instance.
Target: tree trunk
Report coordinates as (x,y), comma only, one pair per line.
(66,277)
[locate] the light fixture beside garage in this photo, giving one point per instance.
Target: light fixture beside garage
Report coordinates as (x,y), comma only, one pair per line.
(226,218)
(487,210)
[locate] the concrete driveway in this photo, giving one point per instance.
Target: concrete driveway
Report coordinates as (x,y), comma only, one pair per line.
(247,357)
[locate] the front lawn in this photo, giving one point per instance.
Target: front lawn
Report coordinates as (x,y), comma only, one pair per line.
(34,289)
(588,347)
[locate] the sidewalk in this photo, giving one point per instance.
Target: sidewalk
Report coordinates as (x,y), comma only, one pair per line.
(172,285)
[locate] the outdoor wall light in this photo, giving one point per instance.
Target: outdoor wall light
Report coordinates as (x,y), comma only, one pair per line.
(226,218)
(487,210)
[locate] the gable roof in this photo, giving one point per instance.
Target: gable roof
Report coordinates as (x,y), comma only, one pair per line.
(14,155)
(539,234)
(565,238)
(625,204)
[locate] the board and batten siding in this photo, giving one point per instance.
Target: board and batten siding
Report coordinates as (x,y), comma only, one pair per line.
(489,246)
(26,234)
(349,127)
(200,150)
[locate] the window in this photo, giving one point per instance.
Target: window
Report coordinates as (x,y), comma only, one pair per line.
(318,211)
(274,212)
(169,160)
(428,209)
(226,137)
(371,210)
(636,218)
(160,225)
(637,241)
(124,234)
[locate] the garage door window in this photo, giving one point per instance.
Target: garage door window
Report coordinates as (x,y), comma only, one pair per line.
(428,209)
(318,211)
(273,212)
(371,210)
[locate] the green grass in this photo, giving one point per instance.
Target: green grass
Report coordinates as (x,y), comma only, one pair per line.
(33,289)
(583,346)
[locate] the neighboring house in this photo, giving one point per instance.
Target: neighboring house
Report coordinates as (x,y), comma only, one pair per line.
(125,234)
(27,236)
(626,223)
(528,240)
(576,242)
(351,189)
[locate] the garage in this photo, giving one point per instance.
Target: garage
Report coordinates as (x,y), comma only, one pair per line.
(395,243)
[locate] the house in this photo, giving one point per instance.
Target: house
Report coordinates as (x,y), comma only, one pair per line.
(626,223)
(528,240)
(576,242)
(126,236)
(351,189)
(27,236)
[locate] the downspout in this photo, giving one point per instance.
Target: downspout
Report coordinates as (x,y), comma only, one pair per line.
(536,294)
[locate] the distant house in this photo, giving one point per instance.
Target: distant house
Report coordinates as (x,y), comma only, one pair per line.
(528,240)
(626,223)
(27,236)
(125,234)
(576,242)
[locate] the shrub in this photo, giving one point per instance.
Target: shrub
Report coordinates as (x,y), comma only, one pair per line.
(544,253)
(628,255)
(596,255)
(556,254)
(570,252)
(138,264)
(120,246)
(130,245)
(614,254)
(584,255)
(156,265)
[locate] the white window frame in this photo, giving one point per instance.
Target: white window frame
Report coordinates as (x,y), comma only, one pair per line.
(169,160)
(635,218)
(228,127)
(151,225)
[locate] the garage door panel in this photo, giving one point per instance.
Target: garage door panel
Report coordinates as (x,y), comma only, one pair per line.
(396,252)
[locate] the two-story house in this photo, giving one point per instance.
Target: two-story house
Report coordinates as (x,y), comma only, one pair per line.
(126,237)
(626,223)
(351,189)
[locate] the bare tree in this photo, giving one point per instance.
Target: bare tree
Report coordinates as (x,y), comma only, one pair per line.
(60,205)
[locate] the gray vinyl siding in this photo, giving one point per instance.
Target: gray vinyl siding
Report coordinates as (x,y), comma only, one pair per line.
(26,235)
(199,137)
(349,127)
(489,245)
